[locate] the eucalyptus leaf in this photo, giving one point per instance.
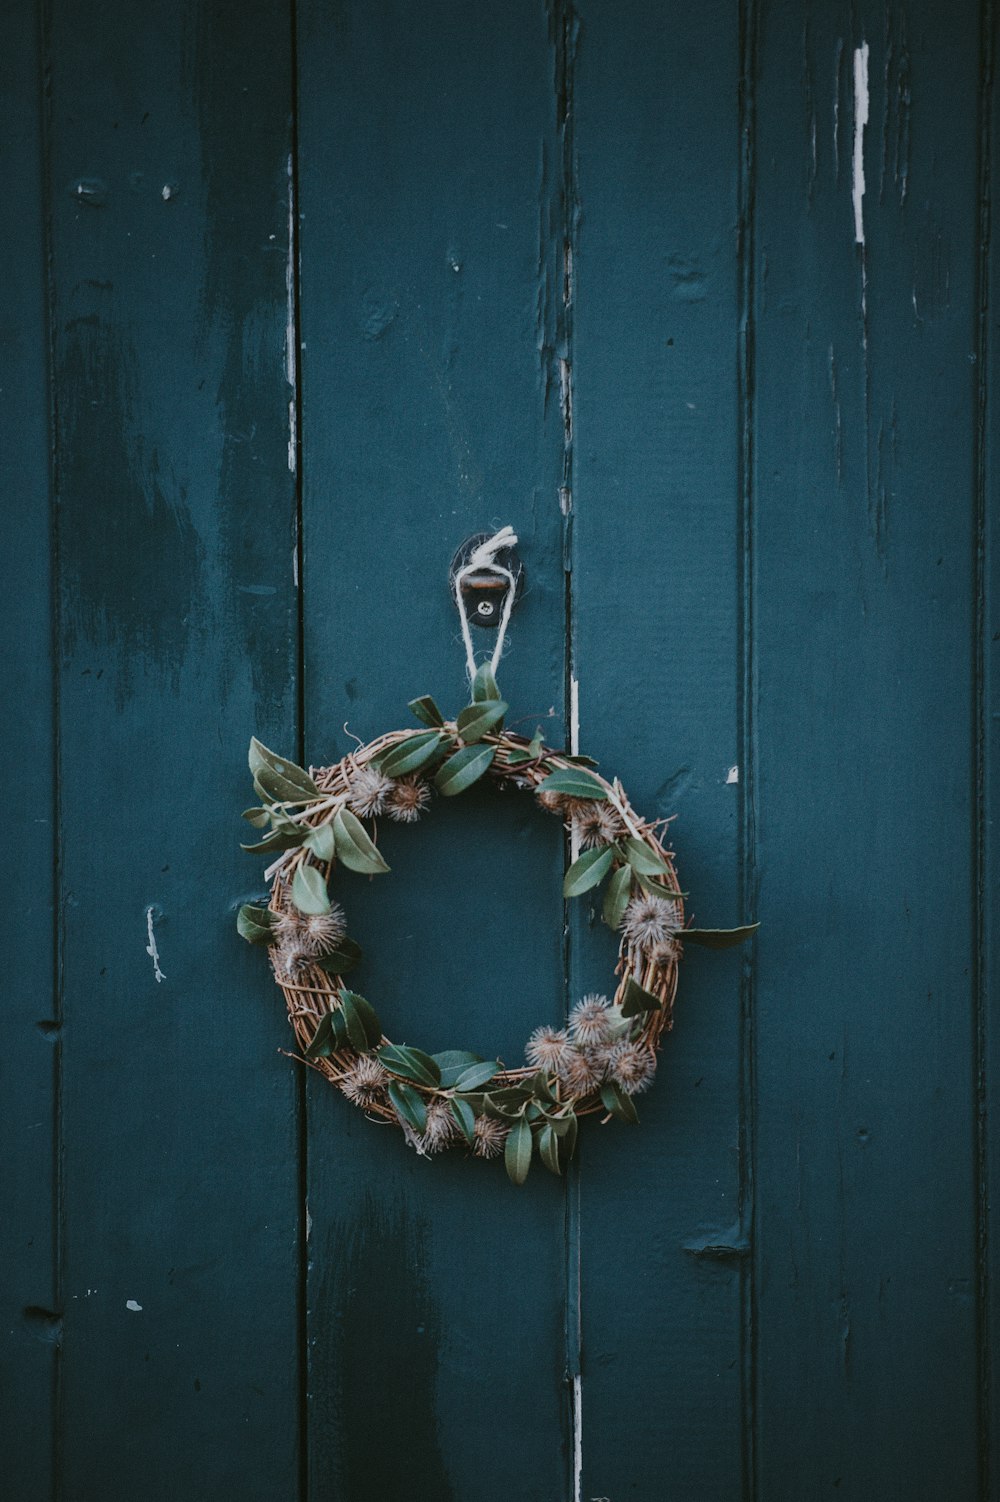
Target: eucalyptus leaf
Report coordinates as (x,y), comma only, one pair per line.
(718,938)
(638,1000)
(477,1075)
(415,752)
(484,685)
(410,1064)
(548,1149)
(258,817)
(573,782)
(569,1139)
(368,1017)
(465,1116)
(453,1062)
(517,1151)
(410,1105)
(284,837)
(515,758)
(463,768)
(322,1039)
(254,924)
(280,778)
(616,897)
(644,859)
(354,847)
(320,841)
(475,720)
(541,1089)
(426,710)
(657,889)
(344,958)
(536,745)
(309,890)
(618,1103)
(591,868)
(579,761)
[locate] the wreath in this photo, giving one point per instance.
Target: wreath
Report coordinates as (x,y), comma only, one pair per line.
(606,1054)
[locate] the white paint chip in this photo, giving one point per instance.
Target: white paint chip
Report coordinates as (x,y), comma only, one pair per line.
(577,1439)
(860,121)
(733,775)
(133,1305)
(151,948)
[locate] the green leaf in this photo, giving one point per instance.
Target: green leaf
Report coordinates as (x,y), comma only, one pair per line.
(587,871)
(548,1149)
(463,768)
(426,710)
(717,938)
(616,898)
(573,782)
(254,924)
(536,745)
(477,1075)
(283,837)
(322,1040)
(517,757)
(476,719)
(452,1063)
(517,1151)
(415,752)
(354,847)
(618,1103)
(638,1000)
(363,1025)
(506,1102)
(484,685)
(409,1104)
(281,779)
(410,1064)
(466,1118)
(569,1137)
(579,761)
(643,859)
(320,841)
(344,958)
(258,817)
(309,890)
(541,1089)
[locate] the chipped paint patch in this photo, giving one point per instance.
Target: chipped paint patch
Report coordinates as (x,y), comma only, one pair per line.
(861,106)
(577,1438)
(133,1306)
(733,775)
(151,948)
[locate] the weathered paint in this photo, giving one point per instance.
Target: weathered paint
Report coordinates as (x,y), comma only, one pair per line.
(701,300)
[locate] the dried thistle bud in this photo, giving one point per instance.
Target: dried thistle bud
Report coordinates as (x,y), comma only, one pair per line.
(596,823)
(632,1066)
(365,1082)
(314,933)
(650,922)
(406,799)
(440,1130)
(367,791)
(590,1020)
(547,1047)
(582,1071)
(490,1136)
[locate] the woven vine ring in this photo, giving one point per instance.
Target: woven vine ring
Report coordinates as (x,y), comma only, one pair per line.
(597,1063)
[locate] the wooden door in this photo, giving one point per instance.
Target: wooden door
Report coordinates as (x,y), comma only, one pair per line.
(699,299)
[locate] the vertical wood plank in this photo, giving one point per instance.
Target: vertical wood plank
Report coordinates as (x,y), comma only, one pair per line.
(170,134)
(31,1318)
(430,178)
(656,570)
(864,565)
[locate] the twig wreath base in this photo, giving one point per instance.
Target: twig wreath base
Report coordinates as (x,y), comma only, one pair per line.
(597,1064)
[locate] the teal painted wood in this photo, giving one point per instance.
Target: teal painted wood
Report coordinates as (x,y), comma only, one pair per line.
(30,1310)
(177,614)
(656,597)
(863,566)
(429,180)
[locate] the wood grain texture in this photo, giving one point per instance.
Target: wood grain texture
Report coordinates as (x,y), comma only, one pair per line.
(864,552)
(656,595)
(30,1317)
(176,640)
(429,189)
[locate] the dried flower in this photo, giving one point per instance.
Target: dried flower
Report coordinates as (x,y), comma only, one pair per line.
(407,799)
(547,1047)
(649,922)
(314,933)
(439,1132)
(291,960)
(596,823)
(632,1066)
(560,803)
(590,1020)
(582,1071)
(365,1082)
(368,790)
(490,1137)
(667,953)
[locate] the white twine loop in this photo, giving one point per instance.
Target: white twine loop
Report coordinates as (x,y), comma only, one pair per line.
(483,560)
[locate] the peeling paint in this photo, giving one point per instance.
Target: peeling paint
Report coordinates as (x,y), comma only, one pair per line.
(733,775)
(577,1438)
(861,106)
(151,948)
(133,1306)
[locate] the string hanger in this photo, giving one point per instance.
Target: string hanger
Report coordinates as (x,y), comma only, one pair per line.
(483,559)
